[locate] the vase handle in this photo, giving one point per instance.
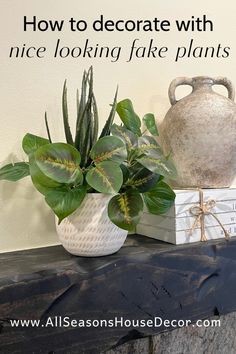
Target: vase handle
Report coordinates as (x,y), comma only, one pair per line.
(228,84)
(174,84)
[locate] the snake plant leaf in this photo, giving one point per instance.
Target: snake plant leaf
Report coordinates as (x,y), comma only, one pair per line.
(68,134)
(31,143)
(14,172)
(64,201)
(87,124)
(107,127)
(129,118)
(95,120)
(41,182)
(150,124)
(124,209)
(105,177)
(158,165)
(47,127)
(81,103)
(129,138)
(60,162)
(109,148)
(159,199)
(148,145)
(142,179)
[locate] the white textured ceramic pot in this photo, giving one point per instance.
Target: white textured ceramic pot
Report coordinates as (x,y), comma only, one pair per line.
(89,232)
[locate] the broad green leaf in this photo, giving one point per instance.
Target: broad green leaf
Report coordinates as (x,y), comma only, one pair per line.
(109,148)
(105,177)
(148,145)
(64,201)
(159,199)
(129,138)
(14,172)
(142,179)
(60,162)
(128,116)
(150,123)
(158,165)
(31,143)
(124,209)
(41,182)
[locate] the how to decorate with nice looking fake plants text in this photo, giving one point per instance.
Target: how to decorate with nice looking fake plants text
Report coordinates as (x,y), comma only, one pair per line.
(137,48)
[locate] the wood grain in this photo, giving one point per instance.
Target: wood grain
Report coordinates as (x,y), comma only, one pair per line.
(145,279)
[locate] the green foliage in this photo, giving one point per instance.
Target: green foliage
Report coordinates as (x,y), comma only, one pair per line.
(109,148)
(67,130)
(129,118)
(150,123)
(64,201)
(60,162)
(129,138)
(129,165)
(32,142)
(105,177)
(41,182)
(125,209)
(159,198)
(14,172)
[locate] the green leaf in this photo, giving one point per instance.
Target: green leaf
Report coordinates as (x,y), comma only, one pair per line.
(107,127)
(109,148)
(129,138)
(31,143)
(106,177)
(158,165)
(47,127)
(124,209)
(59,162)
(150,123)
(87,118)
(68,135)
(41,182)
(159,199)
(126,171)
(128,116)
(148,145)
(95,121)
(64,201)
(142,179)
(14,172)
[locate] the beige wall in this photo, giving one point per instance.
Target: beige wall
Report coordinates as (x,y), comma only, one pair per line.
(29,86)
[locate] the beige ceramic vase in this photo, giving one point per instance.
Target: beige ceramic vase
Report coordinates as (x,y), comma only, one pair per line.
(200,133)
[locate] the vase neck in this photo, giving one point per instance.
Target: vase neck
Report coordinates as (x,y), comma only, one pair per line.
(202,83)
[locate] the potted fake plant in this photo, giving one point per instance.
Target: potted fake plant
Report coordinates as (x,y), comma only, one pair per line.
(97,186)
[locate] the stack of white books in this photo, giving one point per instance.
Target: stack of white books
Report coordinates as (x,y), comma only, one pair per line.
(176,226)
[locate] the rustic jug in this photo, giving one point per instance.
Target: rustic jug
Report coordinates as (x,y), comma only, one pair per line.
(199,131)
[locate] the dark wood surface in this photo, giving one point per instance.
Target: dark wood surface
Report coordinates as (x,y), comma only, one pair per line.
(146,278)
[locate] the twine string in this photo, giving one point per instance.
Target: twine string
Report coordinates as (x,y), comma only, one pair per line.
(200,211)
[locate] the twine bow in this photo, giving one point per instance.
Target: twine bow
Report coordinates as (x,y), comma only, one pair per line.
(199,211)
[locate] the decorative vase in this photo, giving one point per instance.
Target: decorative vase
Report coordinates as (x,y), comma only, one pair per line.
(199,131)
(88,231)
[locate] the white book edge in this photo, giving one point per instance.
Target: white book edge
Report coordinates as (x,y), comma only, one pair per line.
(185,223)
(181,237)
